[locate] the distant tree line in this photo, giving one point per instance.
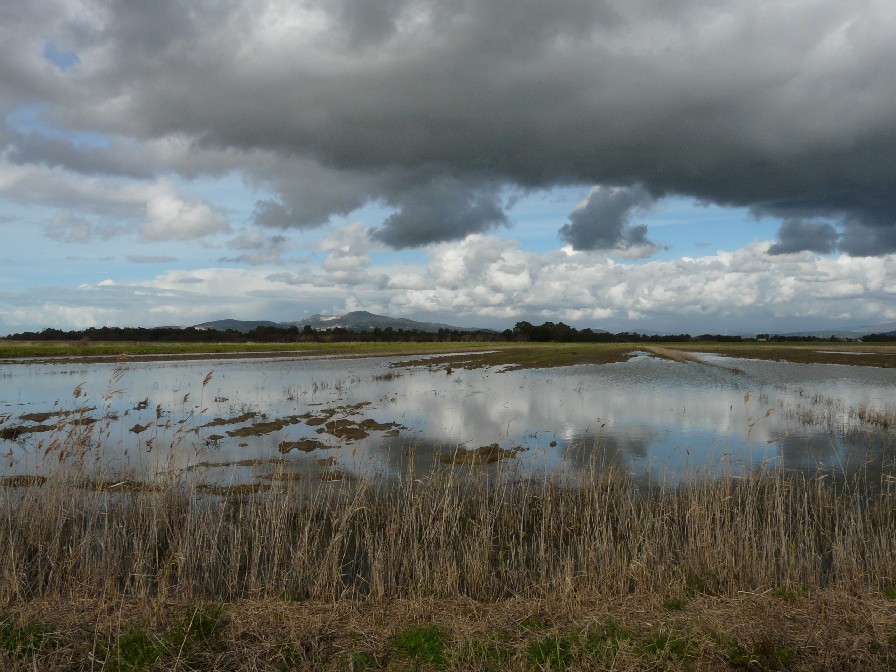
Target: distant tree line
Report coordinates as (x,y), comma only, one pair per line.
(523,331)
(880,338)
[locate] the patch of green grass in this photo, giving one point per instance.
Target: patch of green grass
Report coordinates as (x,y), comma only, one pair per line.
(534,623)
(203,623)
(550,653)
(23,639)
(600,647)
(423,644)
(890,593)
(134,652)
(666,643)
(138,650)
(787,593)
(604,643)
(361,661)
(764,656)
(675,603)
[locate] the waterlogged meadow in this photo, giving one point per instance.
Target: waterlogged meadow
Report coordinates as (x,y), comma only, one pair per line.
(671,511)
(242,422)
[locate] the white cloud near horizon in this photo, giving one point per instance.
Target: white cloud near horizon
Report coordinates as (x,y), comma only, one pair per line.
(490,282)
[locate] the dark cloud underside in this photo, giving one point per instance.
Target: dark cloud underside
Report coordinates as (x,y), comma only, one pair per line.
(604,221)
(434,107)
(797,236)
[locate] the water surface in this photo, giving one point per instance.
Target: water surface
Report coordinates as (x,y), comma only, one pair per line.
(649,416)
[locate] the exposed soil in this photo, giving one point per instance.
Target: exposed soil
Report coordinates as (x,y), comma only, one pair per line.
(482,455)
(327,461)
(227,490)
(282,476)
(14,432)
(235,463)
(236,420)
(22,481)
(347,430)
(261,428)
(304,445)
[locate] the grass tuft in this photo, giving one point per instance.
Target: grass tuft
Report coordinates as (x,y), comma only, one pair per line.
(422,644)
(550,653)
(134,652)
(23,639)
(764,655)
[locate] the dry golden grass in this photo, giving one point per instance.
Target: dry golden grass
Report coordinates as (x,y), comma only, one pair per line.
(443,573)
(443,538)
(828,630)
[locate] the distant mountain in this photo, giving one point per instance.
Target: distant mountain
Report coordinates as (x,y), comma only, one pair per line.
(359,320)
(237,325)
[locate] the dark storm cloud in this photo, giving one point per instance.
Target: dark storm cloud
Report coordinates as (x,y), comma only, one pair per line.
(797,235)
(868,241)
(28,148)
(604,221)
(784,108)
(440,211)
(273,215)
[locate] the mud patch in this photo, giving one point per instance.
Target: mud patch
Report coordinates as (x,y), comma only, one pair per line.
(261,428)
(373,426)
(228,490)
(347,430)
(235,463)
(123,485)
(12,433)
(482,455)
(313,420)
(305,445)
(282,477)
(327,461)
(324,415)
(42,417)
(236,420)
(22,481)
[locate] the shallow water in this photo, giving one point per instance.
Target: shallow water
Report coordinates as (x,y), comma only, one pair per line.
(649,416)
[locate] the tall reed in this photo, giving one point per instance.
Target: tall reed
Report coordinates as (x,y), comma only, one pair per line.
(443,537)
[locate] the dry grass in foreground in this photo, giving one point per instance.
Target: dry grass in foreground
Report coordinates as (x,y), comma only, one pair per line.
(827,630)
(443,536)
(762,572)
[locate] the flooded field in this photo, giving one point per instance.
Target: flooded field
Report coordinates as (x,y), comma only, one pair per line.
(249,423)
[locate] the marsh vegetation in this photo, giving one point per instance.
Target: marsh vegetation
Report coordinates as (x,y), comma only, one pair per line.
(263,531)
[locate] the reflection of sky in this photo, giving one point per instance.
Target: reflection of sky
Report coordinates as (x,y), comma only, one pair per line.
(648,416)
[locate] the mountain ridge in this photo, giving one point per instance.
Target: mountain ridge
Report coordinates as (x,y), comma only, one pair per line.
(357,320)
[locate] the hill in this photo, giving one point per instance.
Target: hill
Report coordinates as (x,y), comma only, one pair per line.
(359,320)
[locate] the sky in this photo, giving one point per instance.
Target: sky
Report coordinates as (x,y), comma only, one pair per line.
(645,165)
